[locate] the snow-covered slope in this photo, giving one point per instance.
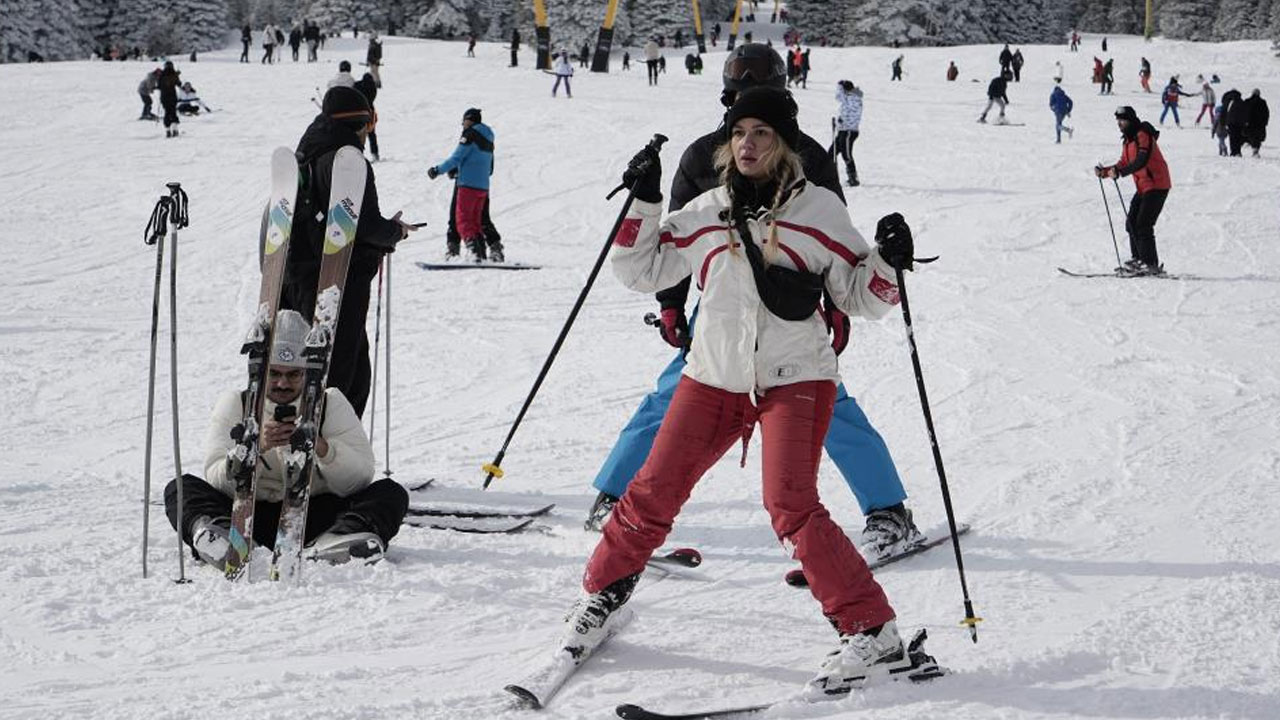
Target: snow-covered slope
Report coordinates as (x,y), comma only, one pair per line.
(1113,443)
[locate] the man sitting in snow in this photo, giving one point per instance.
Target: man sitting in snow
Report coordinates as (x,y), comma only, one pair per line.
(349,514)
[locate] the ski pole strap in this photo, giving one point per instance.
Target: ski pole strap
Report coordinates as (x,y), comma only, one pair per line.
(178,198)
(157,225)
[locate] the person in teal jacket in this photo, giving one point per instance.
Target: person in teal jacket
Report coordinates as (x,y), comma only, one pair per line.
(473,161)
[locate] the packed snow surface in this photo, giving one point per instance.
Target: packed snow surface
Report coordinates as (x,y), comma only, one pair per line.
(1114,443)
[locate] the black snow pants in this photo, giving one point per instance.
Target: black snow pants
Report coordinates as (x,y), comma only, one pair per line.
(382,505)
(844,146)
(1144,210)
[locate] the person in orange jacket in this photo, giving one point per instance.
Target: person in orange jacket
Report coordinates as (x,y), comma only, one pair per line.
(1140,157)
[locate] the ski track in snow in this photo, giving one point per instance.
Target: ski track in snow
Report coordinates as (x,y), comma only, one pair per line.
(1113,443)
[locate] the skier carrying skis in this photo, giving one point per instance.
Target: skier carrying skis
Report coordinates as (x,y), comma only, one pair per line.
(858,451)
(848,120)
(759,316)
(1141,158)
(349,515)
(1060,103)
(473,159)
(997,95)
(345,119)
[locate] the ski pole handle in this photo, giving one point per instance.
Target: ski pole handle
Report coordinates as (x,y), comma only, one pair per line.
(656,146)
(652,319)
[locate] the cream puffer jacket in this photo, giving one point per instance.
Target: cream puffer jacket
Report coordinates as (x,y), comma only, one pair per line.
(347,469)
(738,344)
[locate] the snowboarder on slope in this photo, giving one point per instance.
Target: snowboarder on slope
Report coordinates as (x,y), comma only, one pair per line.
(473,159)
(349,514)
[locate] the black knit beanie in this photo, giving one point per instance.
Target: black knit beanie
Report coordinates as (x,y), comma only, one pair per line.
(472,114)
(346,105)
(771,105)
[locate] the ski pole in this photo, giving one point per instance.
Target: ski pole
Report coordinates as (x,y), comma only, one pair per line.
(970,619)
(377,334)
(1120,194)
(494,469)
(153,235)
(177,219)
(1115,244)
(386,436)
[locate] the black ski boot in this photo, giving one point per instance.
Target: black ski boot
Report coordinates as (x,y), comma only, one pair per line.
(599,512)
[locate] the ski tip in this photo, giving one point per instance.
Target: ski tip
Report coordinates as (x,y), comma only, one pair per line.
(630,712)
(796,578)
(525,698)
(689,557)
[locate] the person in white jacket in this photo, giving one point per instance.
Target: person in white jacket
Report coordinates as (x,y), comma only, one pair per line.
(651,57)
(763,246)
(349,515)
(268,44)
(564,71)
(848,120)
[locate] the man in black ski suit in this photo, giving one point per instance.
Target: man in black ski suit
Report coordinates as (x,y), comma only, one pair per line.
(346,119)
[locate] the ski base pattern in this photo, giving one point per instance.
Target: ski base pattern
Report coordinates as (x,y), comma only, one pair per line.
(923,667)
(796,578)
(242,458)
(345,196)
(537,690)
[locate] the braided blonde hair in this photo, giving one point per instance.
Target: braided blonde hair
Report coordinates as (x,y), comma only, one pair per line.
(781,163)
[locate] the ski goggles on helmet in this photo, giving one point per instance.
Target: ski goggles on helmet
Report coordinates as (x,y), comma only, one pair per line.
(755,70)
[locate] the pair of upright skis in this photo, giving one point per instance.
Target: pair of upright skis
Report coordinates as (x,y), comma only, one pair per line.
(343,214)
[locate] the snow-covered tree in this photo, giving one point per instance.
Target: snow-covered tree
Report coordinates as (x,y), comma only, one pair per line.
(1126,17)
(1187,19)
(1237,20)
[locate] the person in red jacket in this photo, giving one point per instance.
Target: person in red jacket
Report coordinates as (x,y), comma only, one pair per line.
(1140,157)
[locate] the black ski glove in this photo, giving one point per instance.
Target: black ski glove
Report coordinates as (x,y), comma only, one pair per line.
(893,239)
(433,173)
(644,176)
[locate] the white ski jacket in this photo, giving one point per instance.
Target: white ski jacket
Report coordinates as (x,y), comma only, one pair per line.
(347,469)
(738,344)
(850,116)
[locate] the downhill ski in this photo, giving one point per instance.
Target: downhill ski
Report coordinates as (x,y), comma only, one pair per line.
(923,667)
(345,196)
(536,690)
(242,458)
(476,513)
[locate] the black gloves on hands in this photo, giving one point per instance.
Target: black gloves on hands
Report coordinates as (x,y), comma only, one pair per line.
(452,174)
(433,173)
(644,176)
(893,238)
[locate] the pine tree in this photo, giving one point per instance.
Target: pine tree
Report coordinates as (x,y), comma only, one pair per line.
(201,24)
(1237,20)
(1095,16)
(1126,16)
(821,21)
(1187,19)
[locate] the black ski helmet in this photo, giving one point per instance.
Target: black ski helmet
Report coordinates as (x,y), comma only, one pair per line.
(753,64)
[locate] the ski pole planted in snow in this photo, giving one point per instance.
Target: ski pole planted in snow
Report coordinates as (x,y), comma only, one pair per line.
(970,619)
(177,219)
(154,235)
(1112,225)
(377,335)
(494,469)
(386,434)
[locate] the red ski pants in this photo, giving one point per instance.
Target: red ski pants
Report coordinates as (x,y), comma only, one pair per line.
(467,212)
(702,424)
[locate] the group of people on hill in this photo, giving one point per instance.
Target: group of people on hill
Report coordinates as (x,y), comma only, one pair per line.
(1240,121)
(274,41)
(176,97)
(797,66)
(760,347)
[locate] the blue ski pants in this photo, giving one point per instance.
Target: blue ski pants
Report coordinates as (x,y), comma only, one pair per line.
(1167,108)
(856,448)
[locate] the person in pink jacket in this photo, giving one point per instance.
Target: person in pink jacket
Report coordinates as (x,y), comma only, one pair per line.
(762,246)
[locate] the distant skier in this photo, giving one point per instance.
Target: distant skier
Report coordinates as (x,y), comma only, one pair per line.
(1144,75)
(343,78)
(168,83)
(1061,105)
(997,94)
(1006,61)
(953,72)
(1209,100)
(1057,71)
(349,516)
(651,55)
(897,68)
(1169,97)
(311,33)
(1219,130)
(345,119)
(626,59)
(246,39)
(268,44)
(1016,64)
(515,46)
(563,71)
(1237,117)
(369,88)
(189,102)
(473,158)
(295,41)
(1257,116)
(148,85)
(1108,77)
(1097,71)
(1141,158)
(585,54)
(373,57)
(848,120)
(471,46)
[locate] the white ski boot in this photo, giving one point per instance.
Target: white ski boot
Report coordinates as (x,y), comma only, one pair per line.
(868,656)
